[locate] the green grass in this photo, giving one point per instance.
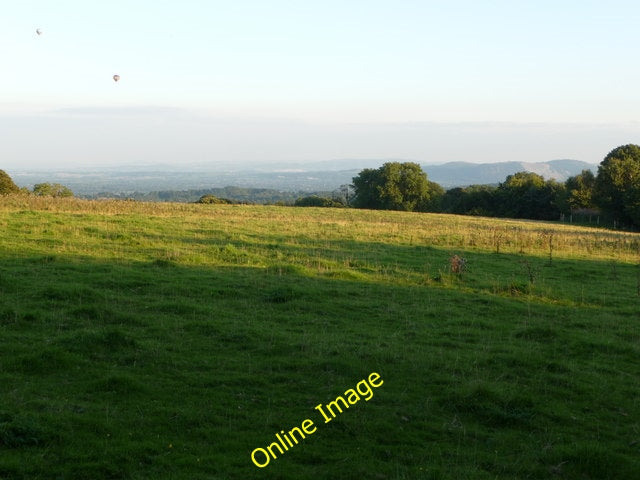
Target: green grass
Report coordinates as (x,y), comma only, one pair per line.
(168,341)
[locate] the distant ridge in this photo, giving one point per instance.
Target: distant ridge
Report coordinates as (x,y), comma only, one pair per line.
(285,177)
(455,174)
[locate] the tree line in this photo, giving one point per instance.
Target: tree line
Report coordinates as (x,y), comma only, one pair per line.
(613,192)
(7,186)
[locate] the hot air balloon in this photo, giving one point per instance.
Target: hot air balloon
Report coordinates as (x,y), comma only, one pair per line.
(38,31)
(116,78)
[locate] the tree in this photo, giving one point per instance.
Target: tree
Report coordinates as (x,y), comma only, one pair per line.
(471,200)
(436,194)
(6,184)
(51,190)
(366,186)
(580,190)
(343,194)
(393,186)
(527,195)
(617,186)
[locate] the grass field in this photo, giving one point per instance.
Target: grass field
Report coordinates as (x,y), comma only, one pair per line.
(168,341)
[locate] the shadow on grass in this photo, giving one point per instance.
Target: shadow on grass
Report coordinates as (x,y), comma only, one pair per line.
(159,369)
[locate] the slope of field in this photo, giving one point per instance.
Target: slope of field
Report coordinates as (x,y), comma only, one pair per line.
(170,341)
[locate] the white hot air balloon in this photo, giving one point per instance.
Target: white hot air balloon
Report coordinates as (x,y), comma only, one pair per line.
(39,31)
(116,78)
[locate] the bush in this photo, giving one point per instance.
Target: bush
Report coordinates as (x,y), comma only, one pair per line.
(457,264)
(6,184)
(51,190)
(315,201)
(212,199)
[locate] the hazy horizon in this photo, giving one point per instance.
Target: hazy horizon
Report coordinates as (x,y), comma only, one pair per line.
(290,142)
(336,164)
(256,82)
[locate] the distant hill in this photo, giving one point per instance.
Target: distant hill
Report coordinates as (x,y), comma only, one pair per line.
(455,174)
(290,177)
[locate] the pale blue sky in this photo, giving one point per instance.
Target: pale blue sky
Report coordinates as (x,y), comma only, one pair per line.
(219,81)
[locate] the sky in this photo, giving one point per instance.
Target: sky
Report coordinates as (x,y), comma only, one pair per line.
(248,81)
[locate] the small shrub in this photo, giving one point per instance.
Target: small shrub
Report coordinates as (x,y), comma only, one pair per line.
(457,264)
(532,272)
